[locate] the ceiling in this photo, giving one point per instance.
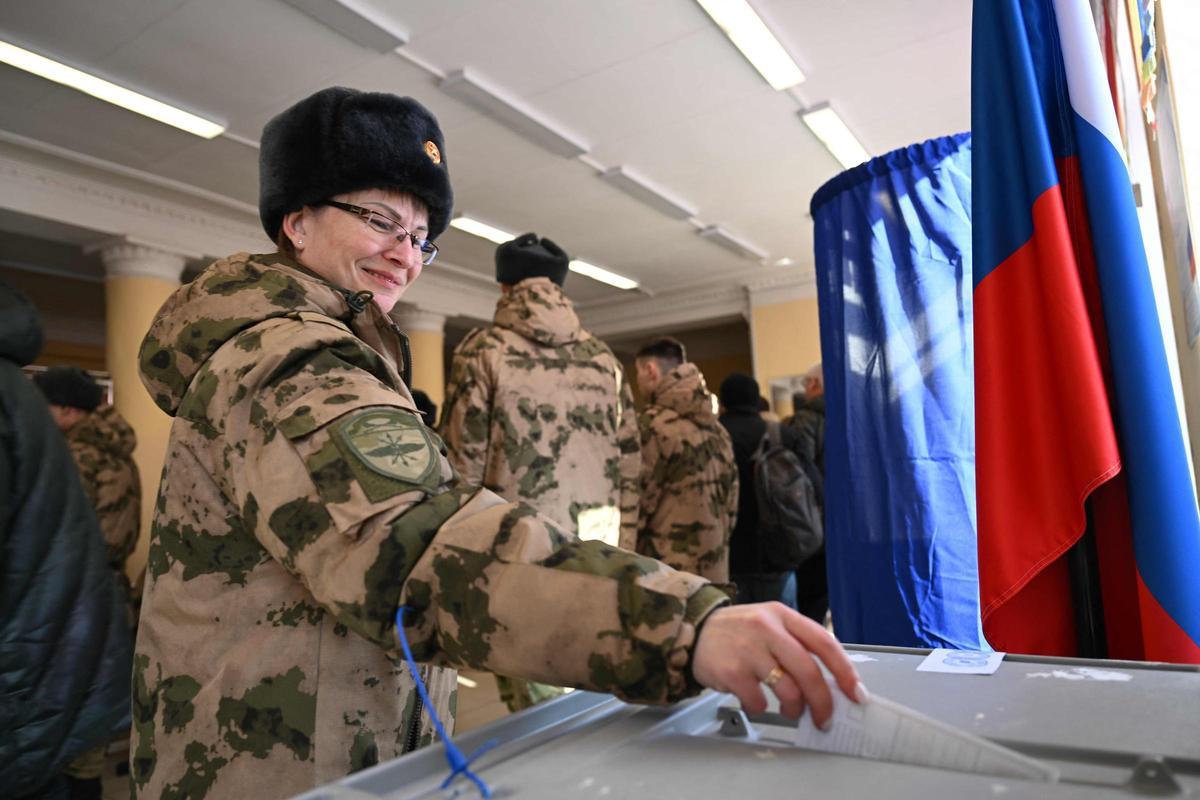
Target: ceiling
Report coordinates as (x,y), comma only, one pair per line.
(649,84)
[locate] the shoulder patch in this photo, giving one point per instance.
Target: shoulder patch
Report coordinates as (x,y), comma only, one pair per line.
(390,442)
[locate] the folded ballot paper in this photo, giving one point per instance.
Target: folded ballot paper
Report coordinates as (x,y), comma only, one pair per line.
(886,731)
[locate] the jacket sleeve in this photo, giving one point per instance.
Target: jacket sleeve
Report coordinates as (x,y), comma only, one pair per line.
(341,488)
(628,443)
(466,422)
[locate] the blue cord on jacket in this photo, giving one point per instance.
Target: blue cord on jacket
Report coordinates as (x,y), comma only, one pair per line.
(459,764)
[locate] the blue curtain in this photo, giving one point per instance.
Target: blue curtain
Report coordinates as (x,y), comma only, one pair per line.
(893,261)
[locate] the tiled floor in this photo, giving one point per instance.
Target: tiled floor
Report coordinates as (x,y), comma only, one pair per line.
(477,705)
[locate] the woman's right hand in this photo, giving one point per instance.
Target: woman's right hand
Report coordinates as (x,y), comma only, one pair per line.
(740,646)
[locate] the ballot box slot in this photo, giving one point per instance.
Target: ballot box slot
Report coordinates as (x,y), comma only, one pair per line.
(1140,774)
(1057,661)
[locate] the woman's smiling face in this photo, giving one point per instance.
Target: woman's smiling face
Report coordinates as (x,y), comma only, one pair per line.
(341,247)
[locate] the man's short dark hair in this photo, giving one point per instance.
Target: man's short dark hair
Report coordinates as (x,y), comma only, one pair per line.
(668,351)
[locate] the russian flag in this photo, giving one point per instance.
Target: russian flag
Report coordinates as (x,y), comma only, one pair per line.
(1074,401)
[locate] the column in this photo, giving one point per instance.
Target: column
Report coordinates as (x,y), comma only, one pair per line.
(137,281)
(427,336)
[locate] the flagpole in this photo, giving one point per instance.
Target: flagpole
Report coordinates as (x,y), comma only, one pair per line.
(1084,564)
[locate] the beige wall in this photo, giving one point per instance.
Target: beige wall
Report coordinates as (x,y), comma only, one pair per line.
(787,341)
(429,372)
(132,303)
(719,368)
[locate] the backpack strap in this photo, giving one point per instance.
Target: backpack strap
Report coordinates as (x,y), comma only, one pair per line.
(773,434)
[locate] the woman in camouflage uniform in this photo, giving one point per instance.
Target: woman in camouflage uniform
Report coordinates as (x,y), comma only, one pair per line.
(303,501)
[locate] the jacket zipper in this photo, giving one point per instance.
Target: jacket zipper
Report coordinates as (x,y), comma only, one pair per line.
(413,740)
(406,355)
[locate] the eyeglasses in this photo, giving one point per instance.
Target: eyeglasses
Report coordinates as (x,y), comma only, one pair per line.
(388,226)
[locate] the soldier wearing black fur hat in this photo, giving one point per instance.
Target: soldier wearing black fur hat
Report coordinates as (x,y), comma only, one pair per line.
(304,502)
(102,443)
(517,393)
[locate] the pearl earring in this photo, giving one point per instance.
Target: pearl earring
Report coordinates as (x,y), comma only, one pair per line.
(299,242)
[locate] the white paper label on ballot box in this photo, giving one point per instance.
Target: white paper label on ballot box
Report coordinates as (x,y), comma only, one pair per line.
(963,662)
(885,731)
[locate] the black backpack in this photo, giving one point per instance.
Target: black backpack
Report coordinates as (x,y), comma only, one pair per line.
(790,527)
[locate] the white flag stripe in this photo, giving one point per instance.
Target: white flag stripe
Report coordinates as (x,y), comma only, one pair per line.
(1086,73)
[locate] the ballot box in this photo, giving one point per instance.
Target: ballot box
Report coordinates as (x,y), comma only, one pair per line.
(1107,728)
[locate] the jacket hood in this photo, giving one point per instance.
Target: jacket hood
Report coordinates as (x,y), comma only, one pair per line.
(231,295)
(20,327)
(537,309)
(105,430)
(683,391)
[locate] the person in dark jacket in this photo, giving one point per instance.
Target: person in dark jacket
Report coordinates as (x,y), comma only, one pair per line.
(427,407)
(812,581)
(65,659)
(757,580)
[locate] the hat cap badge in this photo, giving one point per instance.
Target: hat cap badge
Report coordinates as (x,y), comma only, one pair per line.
(432,151)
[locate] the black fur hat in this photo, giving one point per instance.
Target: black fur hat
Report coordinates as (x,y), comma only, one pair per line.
(341,140)
(69,386)
(529,257)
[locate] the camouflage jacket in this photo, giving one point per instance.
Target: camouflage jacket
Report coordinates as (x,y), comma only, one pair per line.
(689,478)
(537,409)
(102,445)
(302,502)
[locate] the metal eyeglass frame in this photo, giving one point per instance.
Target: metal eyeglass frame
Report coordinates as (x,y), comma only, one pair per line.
(382,223)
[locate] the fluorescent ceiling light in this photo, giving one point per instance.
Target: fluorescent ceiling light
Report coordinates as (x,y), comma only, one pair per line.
(750,34)
(494,234)
(357,21)
(467,682)
(824,122)
(109,92)
(511,113)
(481,229)
(602,275)
(722,237)
(784,262)
(643,189)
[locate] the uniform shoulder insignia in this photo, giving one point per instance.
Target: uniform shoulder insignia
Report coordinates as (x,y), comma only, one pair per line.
(391,442)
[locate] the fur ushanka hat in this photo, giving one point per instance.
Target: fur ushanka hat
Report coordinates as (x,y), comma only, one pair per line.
(341,140)
(527,256)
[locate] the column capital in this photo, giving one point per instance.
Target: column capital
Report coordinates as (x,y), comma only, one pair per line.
(411,318)
(125,257)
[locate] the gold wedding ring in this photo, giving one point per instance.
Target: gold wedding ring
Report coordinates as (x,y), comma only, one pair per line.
(773,676)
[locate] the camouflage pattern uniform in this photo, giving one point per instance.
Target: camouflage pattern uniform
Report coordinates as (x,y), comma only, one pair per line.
(102,444)
(302,502)
(538,410)
(689,478)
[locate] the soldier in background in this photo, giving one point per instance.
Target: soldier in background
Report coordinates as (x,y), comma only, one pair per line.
(537,409)
(812,581)
(101,443)
(689,478)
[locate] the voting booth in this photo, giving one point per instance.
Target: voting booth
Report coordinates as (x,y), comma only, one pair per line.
(1072,728)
